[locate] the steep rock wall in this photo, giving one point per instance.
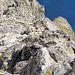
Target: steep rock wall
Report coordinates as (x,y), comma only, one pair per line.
(31,44)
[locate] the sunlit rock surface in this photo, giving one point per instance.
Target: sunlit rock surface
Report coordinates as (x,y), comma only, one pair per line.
(65,26)
(31,44)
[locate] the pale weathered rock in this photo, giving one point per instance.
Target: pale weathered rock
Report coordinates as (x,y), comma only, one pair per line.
(31,44)
(65,26)
(4,73)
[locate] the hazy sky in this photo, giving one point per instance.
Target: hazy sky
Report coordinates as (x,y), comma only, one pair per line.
(64,8)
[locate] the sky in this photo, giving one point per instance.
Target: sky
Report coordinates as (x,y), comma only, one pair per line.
(64,8)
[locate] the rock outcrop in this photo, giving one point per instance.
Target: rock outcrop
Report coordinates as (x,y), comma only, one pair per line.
(31,44)
(64,25)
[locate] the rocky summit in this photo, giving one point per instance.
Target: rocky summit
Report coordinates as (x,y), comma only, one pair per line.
(31,44)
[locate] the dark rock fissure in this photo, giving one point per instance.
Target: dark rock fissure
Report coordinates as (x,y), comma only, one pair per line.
(5,12)
(23,55)
(54,57)
(11,5)
(72,64)
(16,3)
(73,49)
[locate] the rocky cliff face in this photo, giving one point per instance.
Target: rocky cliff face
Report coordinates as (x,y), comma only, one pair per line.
(31,44)
(64,25)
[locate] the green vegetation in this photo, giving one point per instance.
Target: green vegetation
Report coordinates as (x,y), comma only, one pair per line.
(48,73)
(8,52)
(35,35)
(1,57)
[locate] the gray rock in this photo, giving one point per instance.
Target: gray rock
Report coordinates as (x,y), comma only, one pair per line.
(31,44)
(4,73)
(10,56)
(19,66)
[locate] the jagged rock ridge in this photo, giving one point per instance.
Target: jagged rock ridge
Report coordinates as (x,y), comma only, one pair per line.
(31,44)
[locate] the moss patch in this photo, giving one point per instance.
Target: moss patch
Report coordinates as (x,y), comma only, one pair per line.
(8,52)
(35,35)
(1,57)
